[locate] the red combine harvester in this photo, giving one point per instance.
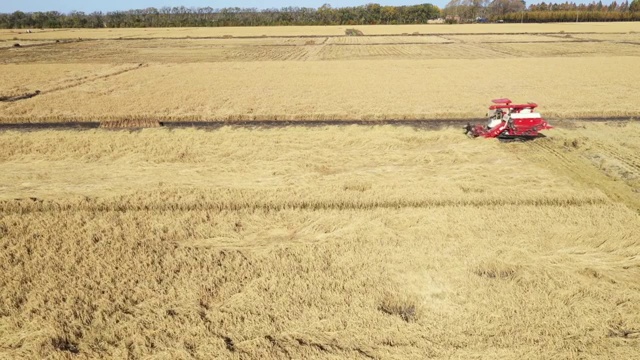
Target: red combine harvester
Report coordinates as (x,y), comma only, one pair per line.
(510,122)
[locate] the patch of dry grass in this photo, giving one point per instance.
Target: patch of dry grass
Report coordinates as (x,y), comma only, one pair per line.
(325,242)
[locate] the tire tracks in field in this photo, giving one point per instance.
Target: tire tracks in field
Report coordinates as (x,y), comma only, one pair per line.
(89,79)
(42,44)
(630,159)
(19,97)
(71,83)
(553,155)
(31,205)
(478,49)
(315,51)
(189,37)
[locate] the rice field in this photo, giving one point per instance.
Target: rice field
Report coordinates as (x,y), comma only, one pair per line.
(405,72)
(332,242)
(147,33)
(357,242)
(321,90)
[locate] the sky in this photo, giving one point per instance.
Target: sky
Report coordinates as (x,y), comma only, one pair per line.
(8,6)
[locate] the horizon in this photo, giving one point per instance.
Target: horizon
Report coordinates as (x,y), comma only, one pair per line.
(67,6)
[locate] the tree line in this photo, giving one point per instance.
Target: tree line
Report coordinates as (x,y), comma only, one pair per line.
(517,11)
(455,11)
(594,11)
(570,16)
(200,17)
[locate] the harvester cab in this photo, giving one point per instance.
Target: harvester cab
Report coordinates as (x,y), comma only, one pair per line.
(508,121)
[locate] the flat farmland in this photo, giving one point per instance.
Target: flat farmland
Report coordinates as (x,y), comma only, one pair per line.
(322,90)
(610,28)
(320,74)
(314,241)
(354,242)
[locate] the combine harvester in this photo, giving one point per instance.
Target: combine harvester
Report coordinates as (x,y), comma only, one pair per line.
(510,122)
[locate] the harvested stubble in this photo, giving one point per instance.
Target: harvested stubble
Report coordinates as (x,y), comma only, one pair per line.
(279,243)
(632,37)
(621,27)
(509,38)
(567,49)
(363,40)
(130,123)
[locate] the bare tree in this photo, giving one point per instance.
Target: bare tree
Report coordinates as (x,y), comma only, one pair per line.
(502,7)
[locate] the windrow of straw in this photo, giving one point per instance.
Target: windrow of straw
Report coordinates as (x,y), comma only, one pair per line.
(130,123)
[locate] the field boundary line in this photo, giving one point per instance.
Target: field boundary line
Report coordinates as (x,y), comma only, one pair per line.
(131,37)
(428,124)
(31,205)
(47,43)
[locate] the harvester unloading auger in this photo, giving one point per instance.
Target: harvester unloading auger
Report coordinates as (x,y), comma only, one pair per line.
(510,122)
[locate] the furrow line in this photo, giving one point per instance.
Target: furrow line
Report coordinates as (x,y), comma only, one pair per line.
(25,206)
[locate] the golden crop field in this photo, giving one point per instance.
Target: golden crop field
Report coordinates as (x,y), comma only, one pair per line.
(443,72)
(147,33)
(317,241)
(355,242)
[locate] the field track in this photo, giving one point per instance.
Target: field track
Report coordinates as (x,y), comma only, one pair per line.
(428,124)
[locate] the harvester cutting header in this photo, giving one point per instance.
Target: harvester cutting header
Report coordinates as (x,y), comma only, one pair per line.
(509,121)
